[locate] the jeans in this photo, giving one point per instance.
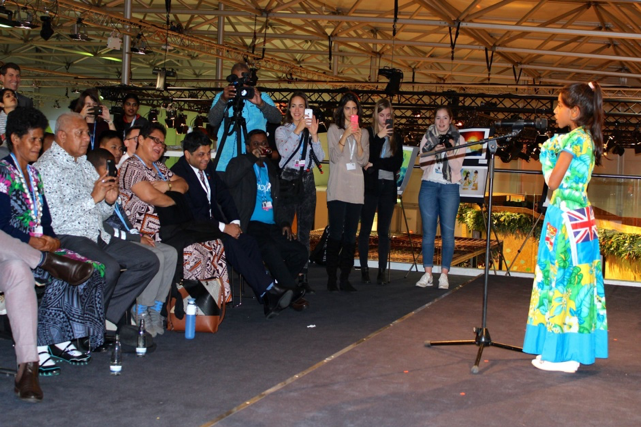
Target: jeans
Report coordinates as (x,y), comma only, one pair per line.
(343,220)
(384,201)
(438,201)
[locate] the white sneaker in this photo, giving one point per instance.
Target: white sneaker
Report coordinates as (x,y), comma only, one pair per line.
(443,283)
(425,281)
(569,367)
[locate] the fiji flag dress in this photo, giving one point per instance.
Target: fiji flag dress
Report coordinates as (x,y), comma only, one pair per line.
(567,319)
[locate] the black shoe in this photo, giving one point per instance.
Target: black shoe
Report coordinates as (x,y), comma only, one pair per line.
(276,300)
(70,270)
(365,275)
(381,279)
(332,286)
(302,281)
(347,287)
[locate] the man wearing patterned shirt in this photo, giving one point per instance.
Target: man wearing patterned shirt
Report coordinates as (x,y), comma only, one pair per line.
(79,201)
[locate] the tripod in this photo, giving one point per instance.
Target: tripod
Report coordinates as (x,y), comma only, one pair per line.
(233,124)
(483,338)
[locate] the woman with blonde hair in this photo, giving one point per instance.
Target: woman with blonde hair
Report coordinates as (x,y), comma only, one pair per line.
(385,159)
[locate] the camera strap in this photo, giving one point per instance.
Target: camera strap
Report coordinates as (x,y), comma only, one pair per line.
(303,141)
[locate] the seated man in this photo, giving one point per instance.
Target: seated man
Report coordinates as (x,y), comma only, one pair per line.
(206,197)
(145,183)
(79,201)
(253,183)
(111,141)
(150,301)
(16,261)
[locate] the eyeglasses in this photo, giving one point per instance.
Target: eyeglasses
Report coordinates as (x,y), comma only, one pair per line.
(157,141)
(131,137)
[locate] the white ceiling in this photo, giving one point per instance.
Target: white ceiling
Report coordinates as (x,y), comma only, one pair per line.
(531,44)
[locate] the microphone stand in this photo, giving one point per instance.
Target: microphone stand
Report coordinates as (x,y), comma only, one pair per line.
(482,338)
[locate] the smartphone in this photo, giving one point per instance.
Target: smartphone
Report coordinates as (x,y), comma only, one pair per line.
(111,168)
(390,125)
(354,122)
(309,113)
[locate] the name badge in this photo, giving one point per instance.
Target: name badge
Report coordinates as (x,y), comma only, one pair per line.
(299,163)
(267,205)
(37,231)
(351,166)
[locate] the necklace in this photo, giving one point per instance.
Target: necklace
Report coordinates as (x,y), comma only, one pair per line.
(34,199)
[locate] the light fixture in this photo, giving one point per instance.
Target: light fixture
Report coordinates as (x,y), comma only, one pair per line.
(25,22)
(153,115)
(395,76)
(139,45)
(79,31)
(199,121)
(6,21)
(47,28)
(181,124)
(161,76)
(170,120)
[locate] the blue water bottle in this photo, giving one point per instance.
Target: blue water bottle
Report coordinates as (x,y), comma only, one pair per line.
(190,322)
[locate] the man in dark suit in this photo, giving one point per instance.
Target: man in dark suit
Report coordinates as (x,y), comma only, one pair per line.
(209,199)
(253,183)
(10,78)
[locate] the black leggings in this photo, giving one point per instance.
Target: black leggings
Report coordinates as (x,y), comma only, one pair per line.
(384,200)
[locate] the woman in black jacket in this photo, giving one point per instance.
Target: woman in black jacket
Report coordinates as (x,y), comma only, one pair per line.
(385,159)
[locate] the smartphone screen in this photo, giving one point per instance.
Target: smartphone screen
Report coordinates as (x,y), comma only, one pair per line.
(111,168)
(309,113)
(354,122)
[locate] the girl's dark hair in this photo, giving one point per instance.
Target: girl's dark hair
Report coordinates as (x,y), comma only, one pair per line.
(21,120)
(288,116)
(589,98)
(339,115)
(91,93)
(380,105)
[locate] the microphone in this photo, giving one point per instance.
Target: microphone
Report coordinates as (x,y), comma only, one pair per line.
(538,123)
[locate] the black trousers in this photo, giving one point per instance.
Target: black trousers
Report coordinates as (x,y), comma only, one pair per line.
(244,255)
(121,290)
(304,209)
(383,201)
(284,258)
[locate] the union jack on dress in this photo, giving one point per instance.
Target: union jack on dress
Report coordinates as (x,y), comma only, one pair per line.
(582,224)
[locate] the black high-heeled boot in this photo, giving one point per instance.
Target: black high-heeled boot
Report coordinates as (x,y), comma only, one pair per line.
(346,264)
(331,266)
(381,279)
(365,275)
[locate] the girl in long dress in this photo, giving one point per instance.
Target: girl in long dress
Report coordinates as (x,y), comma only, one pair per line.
(567,322)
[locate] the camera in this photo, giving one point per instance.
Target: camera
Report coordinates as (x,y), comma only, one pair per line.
(244,85)
(96,111)
(445,140)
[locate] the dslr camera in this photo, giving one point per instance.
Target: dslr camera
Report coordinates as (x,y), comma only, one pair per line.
(244,85)
(445,140)
(96,111)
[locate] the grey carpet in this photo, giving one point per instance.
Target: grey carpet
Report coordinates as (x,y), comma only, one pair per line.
(189,383)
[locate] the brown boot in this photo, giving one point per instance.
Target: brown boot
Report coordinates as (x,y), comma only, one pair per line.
(27,386)
(70,270)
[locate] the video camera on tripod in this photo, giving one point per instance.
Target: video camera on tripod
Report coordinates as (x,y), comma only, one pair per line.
(244,85)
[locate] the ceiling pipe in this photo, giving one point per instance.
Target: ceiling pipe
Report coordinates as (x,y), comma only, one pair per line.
(126,49)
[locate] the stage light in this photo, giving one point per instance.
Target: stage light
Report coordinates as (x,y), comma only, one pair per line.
(25,22)
(79,32)
(170,120)
(139,45)
(47,28)
(200,121)
(395,76)
(181,124)
(153,115)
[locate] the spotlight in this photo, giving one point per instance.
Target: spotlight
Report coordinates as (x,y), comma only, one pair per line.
(181,124)
(79,32)
(395,76)
(140,46)
(618,149)
(170,120)
(200,121)
(47,28)
(25,23)
(153,115)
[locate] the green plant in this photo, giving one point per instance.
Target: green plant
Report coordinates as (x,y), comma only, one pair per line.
(621,245)
(507,223)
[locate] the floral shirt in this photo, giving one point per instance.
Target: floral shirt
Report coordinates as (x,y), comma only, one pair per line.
(573,190)
(68,183)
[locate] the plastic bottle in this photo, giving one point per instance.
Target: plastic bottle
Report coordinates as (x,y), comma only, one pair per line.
(190,322)
(115,365)
(141,344)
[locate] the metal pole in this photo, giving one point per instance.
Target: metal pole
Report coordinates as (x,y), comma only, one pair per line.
(126,49)
(221,37)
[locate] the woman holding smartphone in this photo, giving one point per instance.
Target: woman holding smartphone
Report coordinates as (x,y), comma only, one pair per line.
(297,142)
(385,159)
(348,153)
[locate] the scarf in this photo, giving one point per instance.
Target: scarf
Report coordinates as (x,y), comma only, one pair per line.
(433,139)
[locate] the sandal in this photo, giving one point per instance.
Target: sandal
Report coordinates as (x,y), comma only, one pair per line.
(47,367)
(69,354)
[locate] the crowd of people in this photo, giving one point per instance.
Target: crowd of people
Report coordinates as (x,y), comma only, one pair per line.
(97,216)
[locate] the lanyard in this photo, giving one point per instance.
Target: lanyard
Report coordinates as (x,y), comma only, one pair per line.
(160,174)
(32,190)
(259,177)
(122,219)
